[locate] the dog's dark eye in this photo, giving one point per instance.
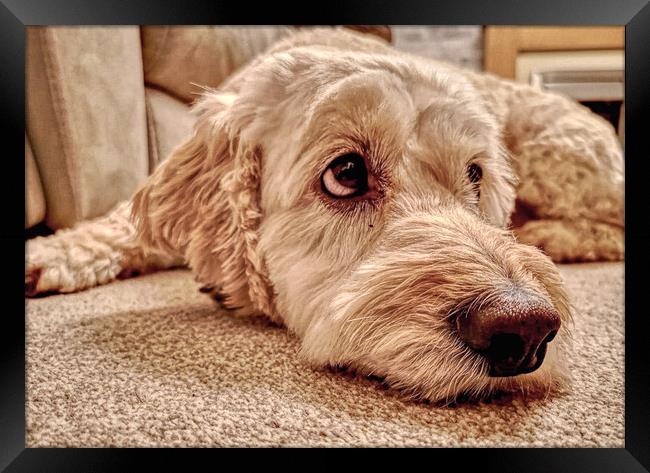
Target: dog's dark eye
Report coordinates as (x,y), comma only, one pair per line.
(346,176)
(475,173)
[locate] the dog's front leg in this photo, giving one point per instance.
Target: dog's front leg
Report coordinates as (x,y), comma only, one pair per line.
(91,253)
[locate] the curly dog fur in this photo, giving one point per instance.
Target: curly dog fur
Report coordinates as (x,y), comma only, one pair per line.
(373,283)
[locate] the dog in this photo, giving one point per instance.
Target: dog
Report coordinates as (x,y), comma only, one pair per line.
(399,215)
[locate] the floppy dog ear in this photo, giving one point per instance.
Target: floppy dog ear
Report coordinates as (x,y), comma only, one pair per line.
(203,203)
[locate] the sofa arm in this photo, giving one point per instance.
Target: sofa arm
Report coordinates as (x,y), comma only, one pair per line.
(86,118)
(34,199)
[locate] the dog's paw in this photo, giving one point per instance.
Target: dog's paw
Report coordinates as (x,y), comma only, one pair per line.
(217,294)
(32,277)
(55,264)
(41,259)
(45,267)
(574,241)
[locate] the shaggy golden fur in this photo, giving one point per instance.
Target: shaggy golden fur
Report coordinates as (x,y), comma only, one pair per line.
(371,283)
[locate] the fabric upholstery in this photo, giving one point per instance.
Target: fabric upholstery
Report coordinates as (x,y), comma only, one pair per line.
(86,118)
(179,59)
(34,198)
(169,123)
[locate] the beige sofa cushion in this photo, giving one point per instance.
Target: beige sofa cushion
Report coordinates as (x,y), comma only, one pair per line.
(86,117)
(34,198)
(176,58)
(170,123)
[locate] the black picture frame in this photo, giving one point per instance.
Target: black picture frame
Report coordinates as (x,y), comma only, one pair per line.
(15,15)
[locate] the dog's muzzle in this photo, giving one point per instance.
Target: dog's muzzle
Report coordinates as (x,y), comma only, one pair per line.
(512,332)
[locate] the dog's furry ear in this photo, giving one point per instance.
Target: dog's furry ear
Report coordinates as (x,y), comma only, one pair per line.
(202,203)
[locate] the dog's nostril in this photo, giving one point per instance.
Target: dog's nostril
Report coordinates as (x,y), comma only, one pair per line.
(506,348)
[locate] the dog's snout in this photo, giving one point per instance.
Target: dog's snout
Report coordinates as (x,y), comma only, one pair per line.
(512,332)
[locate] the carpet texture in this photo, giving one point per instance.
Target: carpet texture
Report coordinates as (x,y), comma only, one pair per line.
(151,362)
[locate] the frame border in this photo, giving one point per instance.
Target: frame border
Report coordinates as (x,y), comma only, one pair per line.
(15,15)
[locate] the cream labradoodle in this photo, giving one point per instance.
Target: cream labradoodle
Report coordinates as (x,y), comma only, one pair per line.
(363,197)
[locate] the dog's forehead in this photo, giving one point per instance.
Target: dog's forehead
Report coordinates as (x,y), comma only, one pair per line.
(410,107)
(381,85)
(353,79)
(376,93)
(365,104)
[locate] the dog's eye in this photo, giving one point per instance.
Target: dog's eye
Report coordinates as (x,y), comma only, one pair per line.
(475,173)
(346,176)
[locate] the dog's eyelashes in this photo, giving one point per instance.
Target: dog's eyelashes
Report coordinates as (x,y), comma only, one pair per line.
(475,173)
(346,176)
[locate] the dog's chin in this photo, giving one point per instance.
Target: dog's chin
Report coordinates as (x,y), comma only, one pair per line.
(548,381)
(441,370)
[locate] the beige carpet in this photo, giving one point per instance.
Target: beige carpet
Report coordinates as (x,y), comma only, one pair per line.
(151,362)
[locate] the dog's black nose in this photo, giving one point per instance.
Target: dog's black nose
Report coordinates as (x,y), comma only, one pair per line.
(512,332)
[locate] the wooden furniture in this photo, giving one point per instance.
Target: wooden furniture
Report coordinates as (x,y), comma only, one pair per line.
(504,43)
(586,63)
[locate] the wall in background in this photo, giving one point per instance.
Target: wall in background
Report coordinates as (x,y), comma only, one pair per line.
(462,45)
